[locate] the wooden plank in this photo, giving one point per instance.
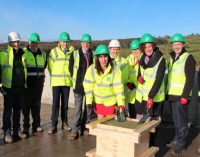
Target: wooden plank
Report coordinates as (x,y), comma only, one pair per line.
(148,126)
(133,138)
(115,128)
(93,124)
(150,152)
(131,119)
(110,147)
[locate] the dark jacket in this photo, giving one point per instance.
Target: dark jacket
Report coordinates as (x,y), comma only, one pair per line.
(36,81)
(199,79)
(81,70)
(190,66)
(160,72)
(18,75)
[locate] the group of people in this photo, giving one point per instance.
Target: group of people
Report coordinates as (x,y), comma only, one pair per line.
(102,82)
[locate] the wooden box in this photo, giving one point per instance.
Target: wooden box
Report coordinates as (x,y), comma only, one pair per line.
(120,141)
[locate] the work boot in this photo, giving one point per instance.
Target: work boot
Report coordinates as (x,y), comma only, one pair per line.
(26,132)
(86,132)
(22,135)
(52,130)
(172,144)
(39,129)
(177,152)
(8,139)
(72,135)
(66,127)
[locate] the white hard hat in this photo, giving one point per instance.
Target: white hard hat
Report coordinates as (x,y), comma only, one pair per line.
(13,36)
(114,43)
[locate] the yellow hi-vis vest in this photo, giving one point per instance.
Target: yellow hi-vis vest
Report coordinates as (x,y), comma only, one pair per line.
(6,61)
(106,88)
(58,65)
(35,67)
(76,66)
(132,78)
(176,75)
(121,62)
(149,76)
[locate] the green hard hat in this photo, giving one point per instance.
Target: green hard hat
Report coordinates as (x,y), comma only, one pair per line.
(34,37)
(86,38)
(64,36)
(102,50)
(177,38)
(147,38)
(135,44)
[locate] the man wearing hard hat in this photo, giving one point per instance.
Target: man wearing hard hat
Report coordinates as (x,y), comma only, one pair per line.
(35,61)
(179,90)
(13,83)
(121,62)
(79,62)
(58,65)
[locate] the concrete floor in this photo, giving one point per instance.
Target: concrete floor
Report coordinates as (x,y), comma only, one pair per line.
(57,145)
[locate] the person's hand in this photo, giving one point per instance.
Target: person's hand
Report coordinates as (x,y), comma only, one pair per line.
(130,86)
(183,101)
(149,103)
(140,80)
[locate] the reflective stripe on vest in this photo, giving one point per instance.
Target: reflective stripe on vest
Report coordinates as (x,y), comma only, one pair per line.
(75,67)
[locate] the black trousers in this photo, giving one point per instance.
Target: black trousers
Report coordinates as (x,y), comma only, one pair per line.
(131,110)
(60,92)
(13,100)
(32,103)
(154,111)
(180,118)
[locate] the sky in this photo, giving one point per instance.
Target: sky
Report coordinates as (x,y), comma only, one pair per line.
(102,19)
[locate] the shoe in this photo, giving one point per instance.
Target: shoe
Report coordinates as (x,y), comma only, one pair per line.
(8,139)
(39,129)
(176,152)
(26,132)
(72,135)
(172,144)
(86,132)
(66,127)
(52,130)
(22,135)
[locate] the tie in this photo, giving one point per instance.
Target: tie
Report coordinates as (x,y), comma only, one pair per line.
(87,59)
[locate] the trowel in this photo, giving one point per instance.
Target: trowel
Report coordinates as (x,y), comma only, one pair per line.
(120,115)
(144,118)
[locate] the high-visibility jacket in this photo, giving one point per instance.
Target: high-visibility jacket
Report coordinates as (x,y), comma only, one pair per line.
(121,62)
(58,65)
(176,75)
(149,75)
(6,61)
(199,93)
(35,66)
(106,88)
(132,78)
(76,65)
